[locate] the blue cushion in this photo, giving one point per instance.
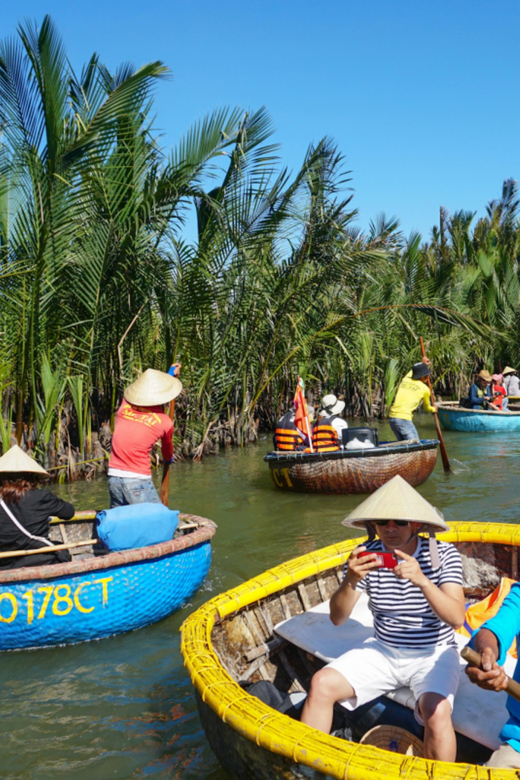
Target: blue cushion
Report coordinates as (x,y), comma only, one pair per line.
(136,525)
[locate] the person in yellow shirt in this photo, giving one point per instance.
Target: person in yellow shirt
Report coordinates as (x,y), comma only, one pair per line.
(412,390)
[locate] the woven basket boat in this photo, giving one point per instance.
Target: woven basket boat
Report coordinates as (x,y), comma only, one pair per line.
(98,594)
(454,418)
(353,471)
(231,640)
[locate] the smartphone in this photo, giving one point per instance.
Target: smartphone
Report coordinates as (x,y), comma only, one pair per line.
(385,560)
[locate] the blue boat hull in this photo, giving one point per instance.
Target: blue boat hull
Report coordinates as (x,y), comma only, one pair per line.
(479,422)
(113,595)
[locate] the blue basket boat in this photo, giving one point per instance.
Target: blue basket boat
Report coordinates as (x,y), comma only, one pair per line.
(98,595)
(455,418)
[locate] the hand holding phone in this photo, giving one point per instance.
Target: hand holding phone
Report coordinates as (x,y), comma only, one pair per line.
(385,560)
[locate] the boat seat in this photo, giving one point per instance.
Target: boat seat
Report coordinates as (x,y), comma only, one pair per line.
(313,632)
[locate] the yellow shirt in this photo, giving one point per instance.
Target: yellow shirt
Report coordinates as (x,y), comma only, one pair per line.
(409,395)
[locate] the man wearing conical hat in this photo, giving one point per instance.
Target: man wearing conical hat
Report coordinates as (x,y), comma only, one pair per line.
(416,606)
(140,423)
(511,381)
(25,512)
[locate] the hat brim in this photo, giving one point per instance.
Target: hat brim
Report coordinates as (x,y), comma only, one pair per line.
(153,390)
(396,500)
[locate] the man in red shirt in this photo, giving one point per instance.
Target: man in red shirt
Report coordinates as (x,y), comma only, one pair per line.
(140,423)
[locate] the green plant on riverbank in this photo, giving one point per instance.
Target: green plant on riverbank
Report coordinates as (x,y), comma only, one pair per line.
(98,283)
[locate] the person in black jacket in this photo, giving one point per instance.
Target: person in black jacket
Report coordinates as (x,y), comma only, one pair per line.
(25,511)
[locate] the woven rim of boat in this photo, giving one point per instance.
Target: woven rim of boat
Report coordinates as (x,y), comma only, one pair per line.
(204,533)
(394,448)
(277,732)
(504,413)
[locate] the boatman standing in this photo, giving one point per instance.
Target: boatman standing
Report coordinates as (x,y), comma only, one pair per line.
(140,423)
(412,390)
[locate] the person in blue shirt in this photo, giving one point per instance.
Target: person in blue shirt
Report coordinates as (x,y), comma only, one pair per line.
(480,392)
(492,641)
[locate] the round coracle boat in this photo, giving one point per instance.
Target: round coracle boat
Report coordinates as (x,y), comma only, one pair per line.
(353,471)
(99,594)
(455,418)
(256,632)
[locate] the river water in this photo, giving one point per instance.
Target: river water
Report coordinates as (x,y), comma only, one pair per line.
(123,707)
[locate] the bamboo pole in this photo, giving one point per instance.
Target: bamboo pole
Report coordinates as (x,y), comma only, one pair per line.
(52,548)
(473,659)
(166,466)
(444,454)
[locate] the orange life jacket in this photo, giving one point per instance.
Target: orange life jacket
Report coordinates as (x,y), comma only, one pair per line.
(286,435)
(478,613)
(324,436)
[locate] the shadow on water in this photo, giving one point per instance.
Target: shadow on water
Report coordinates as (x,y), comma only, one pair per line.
(124,707)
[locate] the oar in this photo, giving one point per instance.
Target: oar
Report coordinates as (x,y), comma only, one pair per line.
(473,659)
(444,454)
(52,548)
(166,466)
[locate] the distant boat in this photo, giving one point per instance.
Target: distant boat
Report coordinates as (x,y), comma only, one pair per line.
(353,471)
(455,418)
(99,594)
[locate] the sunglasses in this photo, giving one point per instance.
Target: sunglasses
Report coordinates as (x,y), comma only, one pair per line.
(400,523)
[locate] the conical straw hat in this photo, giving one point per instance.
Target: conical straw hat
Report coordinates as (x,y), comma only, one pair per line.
(509,370)
(153,388)
(396,500)
(395,739)
(16,459)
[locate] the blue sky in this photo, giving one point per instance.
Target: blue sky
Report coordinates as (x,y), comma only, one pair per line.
(421,97)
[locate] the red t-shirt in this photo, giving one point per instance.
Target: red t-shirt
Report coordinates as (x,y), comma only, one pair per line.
(502,391)
(137,429)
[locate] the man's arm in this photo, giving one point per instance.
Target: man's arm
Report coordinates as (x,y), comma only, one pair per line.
(490,675)
(447,601)
(427,401)
(344,600)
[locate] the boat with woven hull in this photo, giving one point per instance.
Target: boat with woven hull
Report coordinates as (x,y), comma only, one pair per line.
(455,418)
(353,471)
(231,641)
(99,594)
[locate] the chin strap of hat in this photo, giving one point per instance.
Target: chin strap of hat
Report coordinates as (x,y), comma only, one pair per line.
(432,546)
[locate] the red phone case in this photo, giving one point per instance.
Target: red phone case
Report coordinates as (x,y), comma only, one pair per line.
(386,560)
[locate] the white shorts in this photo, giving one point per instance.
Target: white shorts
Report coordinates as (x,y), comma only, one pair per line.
(375,668)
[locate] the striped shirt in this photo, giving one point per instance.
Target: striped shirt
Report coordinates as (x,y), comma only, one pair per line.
(402,615)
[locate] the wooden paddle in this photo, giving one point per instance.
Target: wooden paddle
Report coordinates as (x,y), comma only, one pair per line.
(473,659)
(52,548)
(166,466)
(444,454)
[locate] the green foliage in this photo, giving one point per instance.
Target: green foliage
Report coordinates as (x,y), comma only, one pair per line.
(97,282)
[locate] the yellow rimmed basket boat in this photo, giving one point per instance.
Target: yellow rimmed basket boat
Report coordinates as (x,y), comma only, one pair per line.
(231,640)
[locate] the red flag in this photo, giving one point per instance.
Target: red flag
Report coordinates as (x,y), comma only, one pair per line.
(301,416)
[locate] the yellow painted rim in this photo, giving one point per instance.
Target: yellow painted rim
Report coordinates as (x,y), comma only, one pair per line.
(280,734)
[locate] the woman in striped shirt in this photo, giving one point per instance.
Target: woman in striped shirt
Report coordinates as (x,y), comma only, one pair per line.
(416,606)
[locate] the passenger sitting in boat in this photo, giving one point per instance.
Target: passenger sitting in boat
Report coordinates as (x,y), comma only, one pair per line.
(511,381)
(140,422)
(492,641)
(480,392)
(327,430)
(287,436)
(416,607)
(411,392)
(498,391)
(25,511)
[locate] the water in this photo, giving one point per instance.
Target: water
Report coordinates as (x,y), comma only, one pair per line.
(123,707)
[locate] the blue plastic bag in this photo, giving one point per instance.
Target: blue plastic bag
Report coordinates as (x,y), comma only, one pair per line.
(136,525)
